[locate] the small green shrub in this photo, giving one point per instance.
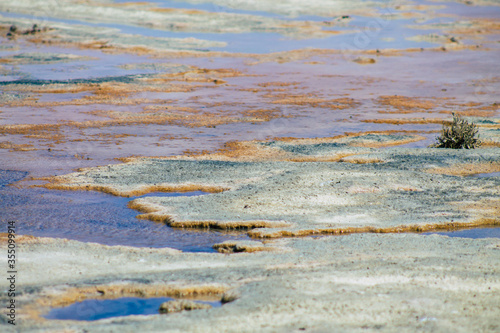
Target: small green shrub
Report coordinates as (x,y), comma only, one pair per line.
(461,134)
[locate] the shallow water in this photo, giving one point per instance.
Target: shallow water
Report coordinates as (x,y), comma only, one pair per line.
(465,10)
(474,233)
(94,309)
(387,34)
(485,175)
(97,217)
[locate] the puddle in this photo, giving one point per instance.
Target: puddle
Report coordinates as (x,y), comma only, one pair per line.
(470,233)
(101,218)
(486,175)
(97,217)
(95,309)
(466,10)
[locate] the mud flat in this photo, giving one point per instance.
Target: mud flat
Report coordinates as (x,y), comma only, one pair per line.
(307,125)
(354,282)
(304,187)
(171,19)
(371,273)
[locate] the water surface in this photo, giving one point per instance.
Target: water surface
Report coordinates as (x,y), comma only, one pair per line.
(95,309)
(97,217)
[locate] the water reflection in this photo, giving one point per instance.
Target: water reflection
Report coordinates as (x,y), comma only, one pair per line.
(96,217)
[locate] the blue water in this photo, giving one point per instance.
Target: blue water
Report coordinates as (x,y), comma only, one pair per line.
(95,309)
(8,176)
(96,217)
(267,42)
(210,7)
(474,233)
(486,175)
